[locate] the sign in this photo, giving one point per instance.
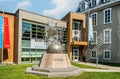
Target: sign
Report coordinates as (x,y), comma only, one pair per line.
(38,43)
(6,33)
(51,23)
(6,43)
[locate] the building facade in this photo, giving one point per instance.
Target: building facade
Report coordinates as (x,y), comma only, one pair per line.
(105,16)
(8,54)
(76,36)
(31,33)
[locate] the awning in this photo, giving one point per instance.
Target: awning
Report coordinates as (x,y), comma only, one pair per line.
(79,43)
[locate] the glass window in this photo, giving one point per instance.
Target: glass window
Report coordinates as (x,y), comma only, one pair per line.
(41,32)
(107,55)
(107,36)
(94,41)
(94,19)
(25,29)
(25,42)
(77,25)
(33,51)
(82,5)
(107,15)
(93,54)
(93,3)
(25,51)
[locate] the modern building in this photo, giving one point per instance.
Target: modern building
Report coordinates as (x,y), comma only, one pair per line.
(30,33)
(76,36)
(105,16)
(28,36)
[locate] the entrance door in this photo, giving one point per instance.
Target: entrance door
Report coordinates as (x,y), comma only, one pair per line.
(75,54)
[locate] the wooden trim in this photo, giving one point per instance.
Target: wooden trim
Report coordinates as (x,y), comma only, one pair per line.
(79,43)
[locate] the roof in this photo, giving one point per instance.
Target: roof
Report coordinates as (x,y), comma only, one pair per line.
(7,13)
(38,14)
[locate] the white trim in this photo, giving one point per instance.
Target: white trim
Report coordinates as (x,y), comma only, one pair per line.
(96,17)
(93,37)
(104,55)
(97,2)
(95,52)
(110,15)
(108,29)
(106,0)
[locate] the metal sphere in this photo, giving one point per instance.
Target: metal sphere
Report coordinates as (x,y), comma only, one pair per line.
(55,48)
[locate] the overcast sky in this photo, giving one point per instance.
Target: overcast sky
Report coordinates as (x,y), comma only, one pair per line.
(52,8)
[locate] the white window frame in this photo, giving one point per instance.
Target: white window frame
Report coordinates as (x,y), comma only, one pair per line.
(105,0)
(95,13)
(104,36)
(92,53)
(110,15)
(93,37)
(104,55)
(92,3)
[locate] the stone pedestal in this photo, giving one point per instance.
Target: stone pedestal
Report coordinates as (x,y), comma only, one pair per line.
(50,60)
(54,65)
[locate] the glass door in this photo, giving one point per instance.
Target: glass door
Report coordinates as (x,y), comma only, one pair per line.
(75,54)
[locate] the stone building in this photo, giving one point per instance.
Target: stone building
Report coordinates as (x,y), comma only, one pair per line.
(105,16)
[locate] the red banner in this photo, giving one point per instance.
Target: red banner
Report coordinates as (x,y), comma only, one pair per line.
(6,33)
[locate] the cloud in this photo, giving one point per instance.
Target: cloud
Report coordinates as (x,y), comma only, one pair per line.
(24,5)
(61,7)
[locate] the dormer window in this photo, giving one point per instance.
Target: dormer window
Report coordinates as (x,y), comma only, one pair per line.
(93,3)
(82,6)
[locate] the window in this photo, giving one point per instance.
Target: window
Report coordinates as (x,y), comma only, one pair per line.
(26,30)
(94,41)
(83,6)
(107,55)
(94,18)
(107,15)
(107,36)
(93,54)
(93,3)
(77,25)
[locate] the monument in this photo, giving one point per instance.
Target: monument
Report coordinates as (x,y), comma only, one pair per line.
(54,63)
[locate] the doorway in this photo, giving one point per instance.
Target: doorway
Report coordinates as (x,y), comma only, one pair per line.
(75,55)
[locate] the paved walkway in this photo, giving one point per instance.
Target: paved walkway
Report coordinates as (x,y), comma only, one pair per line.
(107,68)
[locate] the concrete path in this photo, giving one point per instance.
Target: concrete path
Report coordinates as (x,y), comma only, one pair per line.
(107,68)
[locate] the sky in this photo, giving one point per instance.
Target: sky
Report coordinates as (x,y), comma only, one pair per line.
(52,8)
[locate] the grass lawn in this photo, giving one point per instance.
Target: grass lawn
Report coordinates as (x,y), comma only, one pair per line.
(84,66)
(18,72)
(110,64)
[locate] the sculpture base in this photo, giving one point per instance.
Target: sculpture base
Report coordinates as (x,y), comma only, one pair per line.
(54,65)
(56,72)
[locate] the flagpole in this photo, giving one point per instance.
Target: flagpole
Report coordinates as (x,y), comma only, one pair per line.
(88,23)
(2,59)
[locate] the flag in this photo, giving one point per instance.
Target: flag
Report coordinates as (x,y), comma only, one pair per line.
(90,30)
(1,25)
(6,43)
(6,33)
